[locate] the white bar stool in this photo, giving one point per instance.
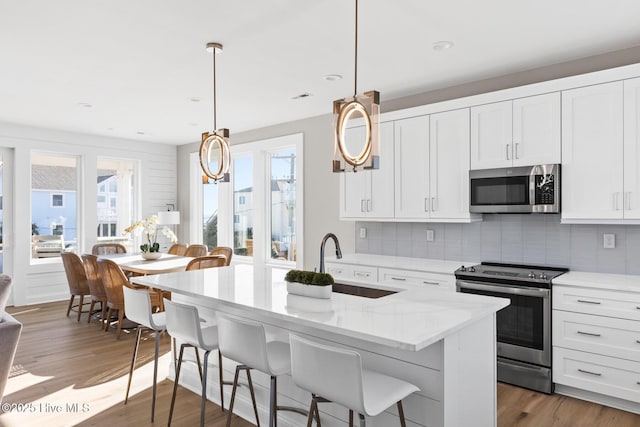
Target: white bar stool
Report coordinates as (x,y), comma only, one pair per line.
(336,375)
(183,323)
(246,343)
(138,309)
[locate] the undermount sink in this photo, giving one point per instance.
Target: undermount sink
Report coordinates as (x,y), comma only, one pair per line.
(361,291)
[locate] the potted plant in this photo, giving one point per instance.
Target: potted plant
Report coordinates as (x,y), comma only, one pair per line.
(309,283)
(149,227)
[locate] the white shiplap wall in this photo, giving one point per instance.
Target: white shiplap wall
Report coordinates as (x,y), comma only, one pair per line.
(47,282)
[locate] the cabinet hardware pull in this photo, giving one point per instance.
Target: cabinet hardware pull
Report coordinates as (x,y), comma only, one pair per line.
(637,341)
(627,201)
(426,204)
(589,333)
(402,279)
(590,373)
(368,205)
(433,204)
(361,274)
(516,147)
(508,151)
(430,283)
(589,302)
(361,205)
(638,382)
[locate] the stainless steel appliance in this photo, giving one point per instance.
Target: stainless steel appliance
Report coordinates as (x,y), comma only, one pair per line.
(523,327)
(527,189)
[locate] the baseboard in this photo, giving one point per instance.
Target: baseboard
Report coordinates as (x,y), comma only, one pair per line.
(614,402)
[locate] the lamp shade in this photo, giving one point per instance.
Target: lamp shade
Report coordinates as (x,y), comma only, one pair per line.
(169,217)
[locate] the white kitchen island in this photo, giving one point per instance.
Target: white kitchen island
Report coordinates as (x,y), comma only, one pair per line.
(443,342)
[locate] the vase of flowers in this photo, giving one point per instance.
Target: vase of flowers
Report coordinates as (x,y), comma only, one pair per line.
(148,228)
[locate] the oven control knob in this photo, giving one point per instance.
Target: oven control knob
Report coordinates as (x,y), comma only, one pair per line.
(472,269)
(463,268)
(532,275)
(543,276)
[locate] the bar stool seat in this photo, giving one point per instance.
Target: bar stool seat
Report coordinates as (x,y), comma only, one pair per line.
(333,374)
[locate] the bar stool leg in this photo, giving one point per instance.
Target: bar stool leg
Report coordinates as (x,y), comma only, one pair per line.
(362,421)
(70,304)
(204,387)
(80,307)
(273,406)
(93,303)
(403,423)
(253,396)
(312,409)
(175,384)
(221,380)
(155,374)
(199,364)
(350,418)
(136,345)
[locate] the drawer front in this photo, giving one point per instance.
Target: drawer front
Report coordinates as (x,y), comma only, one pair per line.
(600,374)
(596,334)
(408,278)
(338,271)
(362,273)
(624,305)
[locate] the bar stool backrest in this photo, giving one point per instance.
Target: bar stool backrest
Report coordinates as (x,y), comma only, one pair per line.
(243,341)
(137,307)
(183,323)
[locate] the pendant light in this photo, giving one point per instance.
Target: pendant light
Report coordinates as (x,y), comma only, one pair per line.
(367,106)
(216,140)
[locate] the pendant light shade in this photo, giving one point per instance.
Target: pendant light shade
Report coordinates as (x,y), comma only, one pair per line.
(363,153)
(215,145)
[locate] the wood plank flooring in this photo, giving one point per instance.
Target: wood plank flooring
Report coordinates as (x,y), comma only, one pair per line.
(61,363)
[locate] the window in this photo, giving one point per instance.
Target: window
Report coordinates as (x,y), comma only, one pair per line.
(57,200)
(54,212)
(116,188)
(283,204)
(242,200)
(242,209)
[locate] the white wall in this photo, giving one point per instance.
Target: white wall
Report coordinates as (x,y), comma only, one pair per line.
(47,282)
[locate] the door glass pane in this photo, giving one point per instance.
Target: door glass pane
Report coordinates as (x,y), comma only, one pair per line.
(54,188)
(243,206)
(210,211)
(116,200)
(1,215)
(283,205)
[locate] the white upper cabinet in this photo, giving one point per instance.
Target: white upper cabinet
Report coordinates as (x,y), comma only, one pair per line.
(536,130)
(521,132)
(449,165)
(369,193)
(631,197)
(592,152)
(432,167)
(412,168)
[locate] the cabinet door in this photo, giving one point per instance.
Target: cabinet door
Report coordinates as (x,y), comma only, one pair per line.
(412,168)
(491,136)
(536,130)
(632,149)
(592,152)
(449,164)
(380,202)
(353,203)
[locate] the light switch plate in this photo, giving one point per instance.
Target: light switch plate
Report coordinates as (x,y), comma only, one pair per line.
(431,235)
(363,233)
(609,241)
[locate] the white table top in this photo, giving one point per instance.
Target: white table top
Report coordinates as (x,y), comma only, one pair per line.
(134,262)
(409,320)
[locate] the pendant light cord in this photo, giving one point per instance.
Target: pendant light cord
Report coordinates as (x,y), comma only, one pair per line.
(355,79)
(214,90)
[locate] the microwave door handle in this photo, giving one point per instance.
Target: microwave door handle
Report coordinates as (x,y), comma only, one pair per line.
(530,292)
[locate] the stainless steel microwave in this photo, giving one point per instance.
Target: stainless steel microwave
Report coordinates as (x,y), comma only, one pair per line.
(526,189)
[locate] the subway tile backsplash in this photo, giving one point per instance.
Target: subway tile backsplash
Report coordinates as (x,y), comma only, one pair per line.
(525,239)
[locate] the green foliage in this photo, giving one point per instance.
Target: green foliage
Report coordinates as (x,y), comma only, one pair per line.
(309,278)
(153,248)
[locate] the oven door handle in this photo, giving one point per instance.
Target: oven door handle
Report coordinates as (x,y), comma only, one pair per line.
(530,292)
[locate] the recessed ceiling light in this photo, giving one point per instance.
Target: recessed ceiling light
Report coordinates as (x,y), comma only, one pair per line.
(85,104)
(109,128)
(442,45)
(192,124)
(302,95)
(140,133)
(332,77)
(195,99)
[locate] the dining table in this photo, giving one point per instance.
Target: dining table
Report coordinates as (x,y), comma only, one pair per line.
(135,263)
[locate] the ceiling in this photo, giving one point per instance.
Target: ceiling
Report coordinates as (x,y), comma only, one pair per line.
(139,69)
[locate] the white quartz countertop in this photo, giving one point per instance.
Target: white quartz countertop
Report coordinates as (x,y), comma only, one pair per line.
(409,320)
(403,263)
(614,282)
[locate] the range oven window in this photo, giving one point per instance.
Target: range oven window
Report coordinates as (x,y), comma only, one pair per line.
(521,322)
(512,190)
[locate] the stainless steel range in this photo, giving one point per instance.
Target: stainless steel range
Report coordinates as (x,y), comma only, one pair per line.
(523,327)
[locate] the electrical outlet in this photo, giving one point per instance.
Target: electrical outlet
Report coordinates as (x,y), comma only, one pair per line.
(363,233)
(431,235)
(609,241)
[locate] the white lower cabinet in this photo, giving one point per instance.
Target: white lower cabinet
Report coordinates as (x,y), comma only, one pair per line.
(352,272)
(596,341)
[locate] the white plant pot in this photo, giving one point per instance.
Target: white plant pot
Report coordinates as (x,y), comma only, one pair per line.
(151,255)
(312,291)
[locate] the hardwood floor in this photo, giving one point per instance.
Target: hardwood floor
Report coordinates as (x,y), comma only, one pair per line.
(61,363)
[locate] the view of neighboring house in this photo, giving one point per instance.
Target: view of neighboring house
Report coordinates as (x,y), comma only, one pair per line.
(107,205)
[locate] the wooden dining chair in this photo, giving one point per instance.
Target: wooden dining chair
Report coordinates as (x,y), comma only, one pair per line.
(207,261)
(108,249)
(96,287)
(196,251)
(223,250)
(114,280)
(178,249)
(77,279)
